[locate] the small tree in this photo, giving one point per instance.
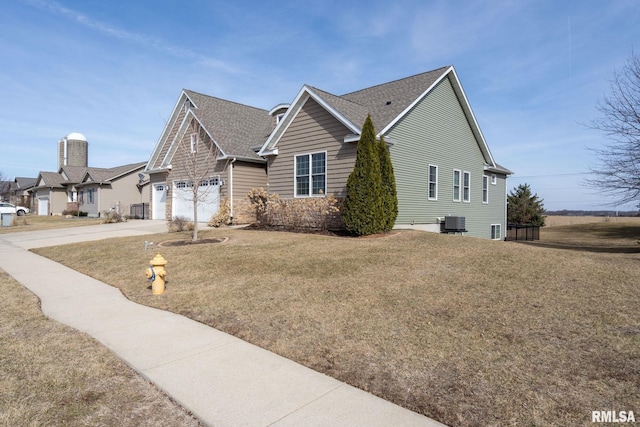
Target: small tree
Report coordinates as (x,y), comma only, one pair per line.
(524,208)
(197,156)
(389,193)
(363,212)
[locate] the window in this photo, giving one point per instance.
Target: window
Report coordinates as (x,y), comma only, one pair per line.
(90,195)
(279,117)
(485,189)
(193,139)
(466,187)
(210,181)
(495,232)
(456,185)
(311,172)
(433,182)
(494,179)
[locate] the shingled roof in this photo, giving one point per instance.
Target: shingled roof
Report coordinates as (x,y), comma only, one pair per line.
(387,101)
(236,128)
(105,175)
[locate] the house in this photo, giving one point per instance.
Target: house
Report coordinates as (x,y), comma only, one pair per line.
(234,132)
(91,190)
(446,176)
(442,163)
(20,194)
(116,188)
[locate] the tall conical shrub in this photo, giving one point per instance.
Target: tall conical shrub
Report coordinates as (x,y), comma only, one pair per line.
(389,194)
(362,210)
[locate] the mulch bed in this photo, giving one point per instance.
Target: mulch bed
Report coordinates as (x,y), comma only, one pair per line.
(189,242)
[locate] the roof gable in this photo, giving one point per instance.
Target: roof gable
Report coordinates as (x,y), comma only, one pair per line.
(235,128)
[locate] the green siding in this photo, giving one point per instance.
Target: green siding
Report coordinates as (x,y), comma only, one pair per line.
(436,132)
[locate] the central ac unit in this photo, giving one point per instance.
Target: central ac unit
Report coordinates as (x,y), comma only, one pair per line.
(454,223)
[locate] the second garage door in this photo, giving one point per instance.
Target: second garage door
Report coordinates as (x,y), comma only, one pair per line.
(208,199)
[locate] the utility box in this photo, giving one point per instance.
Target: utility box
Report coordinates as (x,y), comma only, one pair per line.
(454,223)
(7,219)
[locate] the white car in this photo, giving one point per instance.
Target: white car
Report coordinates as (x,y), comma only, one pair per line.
(9,208)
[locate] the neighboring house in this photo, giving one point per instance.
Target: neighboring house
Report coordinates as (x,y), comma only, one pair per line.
(443,166)
(6,189)
(235,132)
(20,195)
(117,189)
(91,190)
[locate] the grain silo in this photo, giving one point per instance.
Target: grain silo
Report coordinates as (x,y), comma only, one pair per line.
(73,150)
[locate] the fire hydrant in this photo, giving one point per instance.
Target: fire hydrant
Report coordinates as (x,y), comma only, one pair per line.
(156,274)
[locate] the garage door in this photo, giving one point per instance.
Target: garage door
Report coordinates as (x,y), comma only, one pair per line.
(159,201)
(43,206)
(208,199)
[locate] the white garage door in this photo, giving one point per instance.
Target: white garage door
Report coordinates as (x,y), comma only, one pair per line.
(43,206)
(208,199)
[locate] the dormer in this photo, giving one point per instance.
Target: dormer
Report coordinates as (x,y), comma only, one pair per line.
(277,113)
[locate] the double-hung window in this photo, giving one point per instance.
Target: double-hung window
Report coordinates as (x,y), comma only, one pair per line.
(311,174)
(90,195)
(456,185)
(466,187)
(433,182)
(485,189)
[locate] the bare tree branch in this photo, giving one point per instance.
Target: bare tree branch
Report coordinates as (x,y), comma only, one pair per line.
(618,173)
(197,157)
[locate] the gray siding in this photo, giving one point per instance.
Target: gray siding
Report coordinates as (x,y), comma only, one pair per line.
(123,191)
(436,132)
(312,130)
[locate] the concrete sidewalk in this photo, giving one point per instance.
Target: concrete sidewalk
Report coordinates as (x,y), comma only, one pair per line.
(223,380)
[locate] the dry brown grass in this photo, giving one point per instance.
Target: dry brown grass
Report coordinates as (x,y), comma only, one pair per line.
(466,331)
(53,375)
(36,222)
(555,220)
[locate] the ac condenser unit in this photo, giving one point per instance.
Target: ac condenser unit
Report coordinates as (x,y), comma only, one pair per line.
(454,223)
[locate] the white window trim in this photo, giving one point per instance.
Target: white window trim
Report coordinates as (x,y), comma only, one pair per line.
(485,189)
(468,193)
(494,179)
(497,227)
(429,183)
(459,185)
(295,176)
(193,140)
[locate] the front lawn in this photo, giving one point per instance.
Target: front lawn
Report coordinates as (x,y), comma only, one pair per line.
(463,330)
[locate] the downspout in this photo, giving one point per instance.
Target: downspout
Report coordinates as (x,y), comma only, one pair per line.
(231,189)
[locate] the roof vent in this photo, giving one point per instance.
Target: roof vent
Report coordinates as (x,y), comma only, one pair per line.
(388,102)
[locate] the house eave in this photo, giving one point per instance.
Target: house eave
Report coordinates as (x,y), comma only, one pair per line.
(242,158)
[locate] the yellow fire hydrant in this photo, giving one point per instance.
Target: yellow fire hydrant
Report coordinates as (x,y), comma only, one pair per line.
(156,273)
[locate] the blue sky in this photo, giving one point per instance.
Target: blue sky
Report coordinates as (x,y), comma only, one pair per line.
(532,71)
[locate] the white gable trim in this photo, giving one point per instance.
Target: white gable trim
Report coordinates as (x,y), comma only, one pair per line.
(182,130)
(269,148)
(464,103)
(162,141)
